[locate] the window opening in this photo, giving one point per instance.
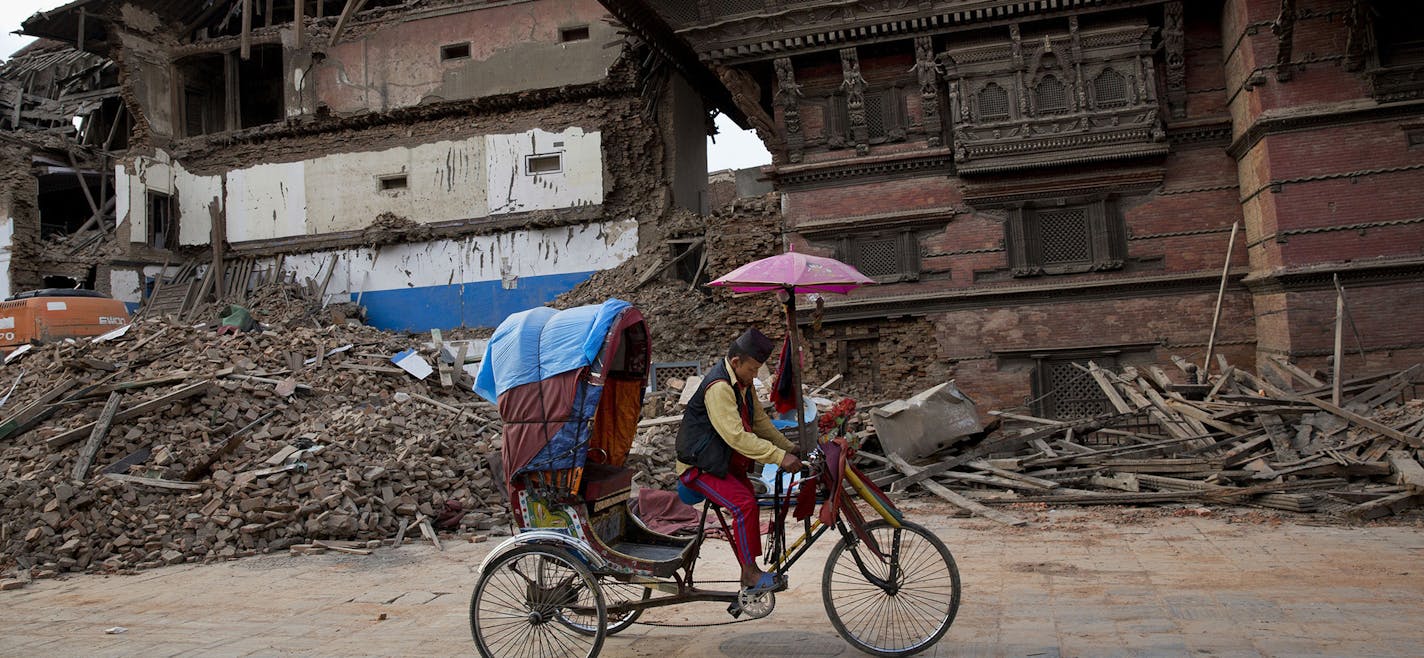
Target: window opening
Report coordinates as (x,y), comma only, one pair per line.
(1110,89)
(1401,42)
(259,85)
(162,224)
(395,183)
(689,257)
(993,103)
(1067,393)
(544,164)
(887,258)
(579,33)
(1051,96)
(204,85)
(455,51)
(1064,234)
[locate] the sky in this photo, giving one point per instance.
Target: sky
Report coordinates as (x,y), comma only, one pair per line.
(733,148)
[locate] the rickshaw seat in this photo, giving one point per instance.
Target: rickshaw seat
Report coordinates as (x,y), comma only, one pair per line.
(601,481)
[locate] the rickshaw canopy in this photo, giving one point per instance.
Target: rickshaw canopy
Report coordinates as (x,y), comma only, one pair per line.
(569,387)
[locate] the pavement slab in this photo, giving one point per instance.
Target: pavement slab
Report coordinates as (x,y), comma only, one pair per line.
(1073,583)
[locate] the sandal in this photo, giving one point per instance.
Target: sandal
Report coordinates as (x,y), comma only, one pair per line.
(769,582)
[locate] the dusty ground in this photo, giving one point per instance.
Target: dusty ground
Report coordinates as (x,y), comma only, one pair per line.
(1075,583)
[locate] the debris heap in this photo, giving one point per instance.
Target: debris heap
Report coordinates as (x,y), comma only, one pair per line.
(175,443)
(1277,440)
(688,320)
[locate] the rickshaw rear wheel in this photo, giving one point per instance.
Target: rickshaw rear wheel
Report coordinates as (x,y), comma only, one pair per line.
(891,617)
(614,593)
(522,600)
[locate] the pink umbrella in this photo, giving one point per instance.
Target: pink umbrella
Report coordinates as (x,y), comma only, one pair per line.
(793,274)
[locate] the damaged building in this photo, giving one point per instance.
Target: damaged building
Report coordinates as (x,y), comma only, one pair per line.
(1035,184)
(446,163)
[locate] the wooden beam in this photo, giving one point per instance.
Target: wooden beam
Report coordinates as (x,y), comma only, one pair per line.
(352,6)
(83,185)
(245,51)
(299,23)
(1338,374)
(955,499)
(1220,295)
(35,412)
(156,482)
(96,437)
(66,438)
(233,441)
(1367,423)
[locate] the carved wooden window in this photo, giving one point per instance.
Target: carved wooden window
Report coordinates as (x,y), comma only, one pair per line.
(1110,89)
(885,118)
(724,7)
(993,103)
(1397,31)
(1399,46)
(1050,96)
(1064,239)
(885,257)
(1064,392)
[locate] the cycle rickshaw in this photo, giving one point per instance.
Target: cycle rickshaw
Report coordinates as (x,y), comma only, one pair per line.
(569,385)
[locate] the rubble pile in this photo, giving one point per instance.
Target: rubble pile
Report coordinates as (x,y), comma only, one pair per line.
(175,443)
(693,322)
(1277,440)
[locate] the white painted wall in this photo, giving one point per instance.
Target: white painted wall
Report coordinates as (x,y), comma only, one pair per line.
(565,250)
(514,189)
(267,201)
(446,180)
(7,235)
(126,285)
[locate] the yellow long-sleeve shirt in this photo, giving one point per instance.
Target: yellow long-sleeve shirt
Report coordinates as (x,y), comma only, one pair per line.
(764,443)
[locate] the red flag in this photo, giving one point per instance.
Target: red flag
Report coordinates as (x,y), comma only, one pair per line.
(783,393)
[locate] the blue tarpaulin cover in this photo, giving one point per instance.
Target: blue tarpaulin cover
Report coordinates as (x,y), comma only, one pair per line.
(541,342)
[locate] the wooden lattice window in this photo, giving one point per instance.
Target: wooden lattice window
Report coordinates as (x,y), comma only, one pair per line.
(1065,236)
(883,257)
(723,7)
(1062,239)
(1065,392)
(885,117)
(993,103)
(1110,89)
(1050,96)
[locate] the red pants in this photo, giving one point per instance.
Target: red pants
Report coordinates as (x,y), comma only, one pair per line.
(733,492)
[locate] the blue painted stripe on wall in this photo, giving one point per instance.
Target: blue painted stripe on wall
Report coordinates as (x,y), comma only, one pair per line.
(476,304)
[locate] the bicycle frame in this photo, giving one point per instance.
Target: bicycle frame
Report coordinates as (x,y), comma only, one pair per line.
(849,523)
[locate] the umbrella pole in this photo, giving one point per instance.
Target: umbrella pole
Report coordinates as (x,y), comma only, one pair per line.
(795,368)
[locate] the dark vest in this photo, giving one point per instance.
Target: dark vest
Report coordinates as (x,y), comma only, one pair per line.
(698,443)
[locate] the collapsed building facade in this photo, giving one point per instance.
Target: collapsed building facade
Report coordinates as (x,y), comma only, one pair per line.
(1040,183)
(446,163)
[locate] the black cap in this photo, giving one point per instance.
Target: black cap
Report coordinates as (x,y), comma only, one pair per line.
(755,344)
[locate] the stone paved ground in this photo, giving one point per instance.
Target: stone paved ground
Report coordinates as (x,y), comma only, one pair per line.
(1075,583)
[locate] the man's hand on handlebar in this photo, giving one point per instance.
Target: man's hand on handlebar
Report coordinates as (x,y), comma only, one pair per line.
(791,463)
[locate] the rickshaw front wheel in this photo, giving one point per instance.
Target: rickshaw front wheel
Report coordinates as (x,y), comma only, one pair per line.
(524,600)
(897,605)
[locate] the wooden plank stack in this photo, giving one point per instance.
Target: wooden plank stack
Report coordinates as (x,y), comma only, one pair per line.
(1273,440)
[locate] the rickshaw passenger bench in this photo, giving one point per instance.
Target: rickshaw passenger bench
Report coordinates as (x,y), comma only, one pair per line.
(607,489)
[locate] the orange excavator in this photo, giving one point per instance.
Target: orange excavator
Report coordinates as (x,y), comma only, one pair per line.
(57,313)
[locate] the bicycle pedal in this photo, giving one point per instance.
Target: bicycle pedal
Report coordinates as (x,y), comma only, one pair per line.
(734,610)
